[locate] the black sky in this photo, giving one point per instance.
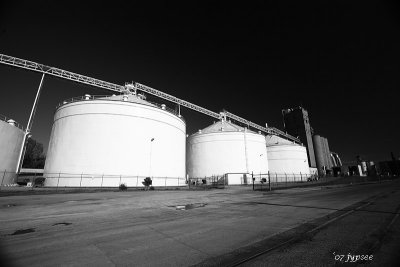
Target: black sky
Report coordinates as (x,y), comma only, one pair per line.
(339,59)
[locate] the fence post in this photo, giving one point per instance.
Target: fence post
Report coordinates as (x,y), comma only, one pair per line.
(4,175)
(58,180)
(276,179)
(301,177)
(137,180)
(269,181)
(165,182)
(286,178)
(34,178)
(102,178)
(120,178)
(33,181)
(252,178)
(80,184)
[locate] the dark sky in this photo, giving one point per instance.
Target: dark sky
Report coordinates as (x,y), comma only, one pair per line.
(338,59)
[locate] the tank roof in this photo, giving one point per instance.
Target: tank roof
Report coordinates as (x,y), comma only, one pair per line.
(129,98)
(11,122)
(223,126)
(274,140)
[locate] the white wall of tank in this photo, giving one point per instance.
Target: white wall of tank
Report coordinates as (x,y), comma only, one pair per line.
(11,138)
(108,141)
(225,148)
(286,157)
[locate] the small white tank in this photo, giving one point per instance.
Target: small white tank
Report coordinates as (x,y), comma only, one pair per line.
(286,157)
(111,140)
(223,148)
(11,138)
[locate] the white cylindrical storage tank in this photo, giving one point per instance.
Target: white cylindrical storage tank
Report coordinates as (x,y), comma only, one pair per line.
(11,138)
(103,142)
(286,159)
(225,148)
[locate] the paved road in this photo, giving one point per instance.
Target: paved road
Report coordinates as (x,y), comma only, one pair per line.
(364,232)
(145,228)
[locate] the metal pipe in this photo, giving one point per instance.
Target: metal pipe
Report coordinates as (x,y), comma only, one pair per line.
(28,127)
(33,111)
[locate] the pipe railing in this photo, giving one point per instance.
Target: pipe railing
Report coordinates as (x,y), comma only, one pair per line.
(108,98)
(16,124)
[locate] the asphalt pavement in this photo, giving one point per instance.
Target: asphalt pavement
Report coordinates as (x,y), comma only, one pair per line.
(160,228)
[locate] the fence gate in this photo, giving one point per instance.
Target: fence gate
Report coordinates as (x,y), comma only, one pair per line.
(207,182)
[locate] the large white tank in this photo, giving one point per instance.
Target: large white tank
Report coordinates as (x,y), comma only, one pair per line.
(111,140)
(11,138)
(286,158)
(223,148)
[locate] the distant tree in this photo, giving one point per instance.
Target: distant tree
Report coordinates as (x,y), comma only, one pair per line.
(34,155)
(147,182)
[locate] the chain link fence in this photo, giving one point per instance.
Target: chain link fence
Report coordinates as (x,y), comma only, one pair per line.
(266,181)
(215,181)
(271,180)
(83,180)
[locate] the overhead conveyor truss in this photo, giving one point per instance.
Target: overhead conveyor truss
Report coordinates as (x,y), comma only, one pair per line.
(132,88)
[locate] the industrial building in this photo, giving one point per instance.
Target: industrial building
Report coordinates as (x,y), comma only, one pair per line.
(104,141)
(322,154)
(297,123)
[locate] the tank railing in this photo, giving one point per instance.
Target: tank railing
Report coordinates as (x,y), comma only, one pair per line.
(16,124)
(81,98)
(107,98)
(170,110)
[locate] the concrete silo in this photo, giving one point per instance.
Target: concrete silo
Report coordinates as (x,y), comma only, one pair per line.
(11,138)
(286,157)
(319,154)
(226,148)
(322,154)
(105,141)
(328,153)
